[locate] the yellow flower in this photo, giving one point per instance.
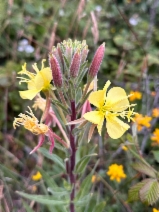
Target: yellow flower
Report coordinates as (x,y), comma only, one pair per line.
(39,81)
(95,179)
(116,172)
(155,210)
(155,136)
(155,112)
(142,121)
(37,176)
(124,148)
(135,95)
(31,123)
(110,106)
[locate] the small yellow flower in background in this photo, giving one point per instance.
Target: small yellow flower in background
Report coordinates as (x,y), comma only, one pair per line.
(155,210)
(135,95)
(155,137)
(153,93)
(110,106)
(36,176)
(142,121)
(155,112)
(116,172)
(31,123)
(95,179)
(124,148)
(36,82)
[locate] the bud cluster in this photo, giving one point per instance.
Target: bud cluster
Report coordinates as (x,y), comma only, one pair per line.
(67,59)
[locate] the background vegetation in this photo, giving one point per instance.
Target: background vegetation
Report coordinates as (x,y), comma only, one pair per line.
(28,31)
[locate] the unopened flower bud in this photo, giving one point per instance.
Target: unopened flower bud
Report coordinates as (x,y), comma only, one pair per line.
(75,65)
(56,71)
(96,62)
(58,54)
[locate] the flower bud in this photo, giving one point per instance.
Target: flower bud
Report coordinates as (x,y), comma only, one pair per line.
(75,65)
(96,62)
(58,54)
(56,71)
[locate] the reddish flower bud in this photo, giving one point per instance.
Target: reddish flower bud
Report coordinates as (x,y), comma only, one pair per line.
(58,54)
(56,71)
(75,65)
(96,62)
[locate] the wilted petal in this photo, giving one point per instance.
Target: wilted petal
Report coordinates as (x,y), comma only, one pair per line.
(117,99)
(115,127)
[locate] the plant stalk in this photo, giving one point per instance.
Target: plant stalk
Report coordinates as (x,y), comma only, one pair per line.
(72,158)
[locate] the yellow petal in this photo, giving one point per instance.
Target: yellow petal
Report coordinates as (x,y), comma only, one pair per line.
(100,125)
(115,127)
(97,98)
(29,94)
(31,85)
(43,79)
(94,116)
(117,99)
(107,84)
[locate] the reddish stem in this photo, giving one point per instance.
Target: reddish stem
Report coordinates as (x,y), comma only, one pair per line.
(72,157)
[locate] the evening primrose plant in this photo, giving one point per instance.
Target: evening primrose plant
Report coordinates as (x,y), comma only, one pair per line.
(76,111)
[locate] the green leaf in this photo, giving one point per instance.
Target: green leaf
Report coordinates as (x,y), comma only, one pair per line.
(59,192)
(43,199)
(81,165)
(144,169)
(149,193)
(48,179)
(84,200)
(133,194)
(7,172)
(27,207)
(55,102)
(80,77)
(66,185)
(52,157)
(156,155)
(99,207)
(84,187)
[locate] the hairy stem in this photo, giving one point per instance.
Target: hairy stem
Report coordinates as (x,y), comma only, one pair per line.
(72,158)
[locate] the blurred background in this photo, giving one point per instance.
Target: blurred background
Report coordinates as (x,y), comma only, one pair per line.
(28,30)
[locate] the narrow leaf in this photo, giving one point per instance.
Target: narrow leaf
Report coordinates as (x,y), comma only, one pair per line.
(43,199)
(156,155)
(55,102)
(81,165)
(99,207)
(52,157)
